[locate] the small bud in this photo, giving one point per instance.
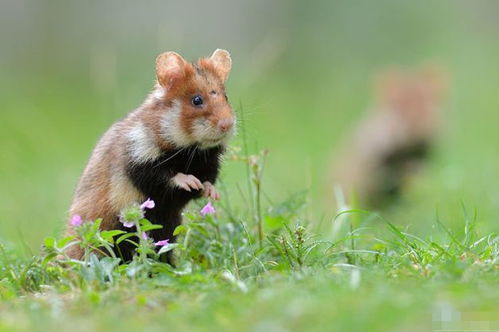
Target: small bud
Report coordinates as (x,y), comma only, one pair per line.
(76,220)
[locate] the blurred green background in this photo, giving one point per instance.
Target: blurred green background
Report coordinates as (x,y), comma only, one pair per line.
(302,74)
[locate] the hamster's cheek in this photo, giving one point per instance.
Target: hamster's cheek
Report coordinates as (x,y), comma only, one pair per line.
(171,126)
(200,129)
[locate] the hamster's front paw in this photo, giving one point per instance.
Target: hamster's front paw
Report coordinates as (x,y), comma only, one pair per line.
(210,191)
(187,182)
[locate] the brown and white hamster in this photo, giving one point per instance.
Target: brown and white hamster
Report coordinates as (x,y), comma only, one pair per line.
(168,149)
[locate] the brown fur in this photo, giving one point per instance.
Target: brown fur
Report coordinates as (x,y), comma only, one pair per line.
(104,188)
(406,116)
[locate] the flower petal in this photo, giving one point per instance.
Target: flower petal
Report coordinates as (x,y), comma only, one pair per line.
(161,243)
(208,209)
(148,204)
(128,224)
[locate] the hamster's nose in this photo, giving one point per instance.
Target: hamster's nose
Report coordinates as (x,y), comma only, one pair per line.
(225,124)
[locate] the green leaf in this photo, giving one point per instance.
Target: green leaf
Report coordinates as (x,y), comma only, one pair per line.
(168,247)
(62,242)
(124,237)
(181,229)
(97,223)
(150,227)
(49,258)
(144,222)
(134,268)
(107,265)
(49,242)
(109,235)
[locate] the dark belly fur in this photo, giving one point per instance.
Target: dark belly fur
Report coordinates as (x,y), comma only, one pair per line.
(395,167)
(153,179)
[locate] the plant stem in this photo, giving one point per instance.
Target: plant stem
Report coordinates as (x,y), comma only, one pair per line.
(142,256)
(259,213)
(258,188)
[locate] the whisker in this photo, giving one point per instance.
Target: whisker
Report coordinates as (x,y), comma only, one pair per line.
(191,158)
(164,161)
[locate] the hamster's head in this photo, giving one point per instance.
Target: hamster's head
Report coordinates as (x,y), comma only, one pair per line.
(195,108)
(413,92)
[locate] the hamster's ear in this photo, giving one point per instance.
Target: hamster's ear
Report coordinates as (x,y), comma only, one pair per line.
(170,68)
(222,62)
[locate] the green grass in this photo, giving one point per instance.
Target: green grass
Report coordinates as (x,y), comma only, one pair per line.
(250,270)
(302,78)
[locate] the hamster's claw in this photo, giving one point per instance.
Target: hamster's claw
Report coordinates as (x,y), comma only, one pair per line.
(187,182)
(210,191)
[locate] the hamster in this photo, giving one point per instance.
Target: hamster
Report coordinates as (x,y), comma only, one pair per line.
(393,140)
(169,149)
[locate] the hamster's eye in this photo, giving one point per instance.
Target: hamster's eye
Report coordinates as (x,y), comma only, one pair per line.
(197,100)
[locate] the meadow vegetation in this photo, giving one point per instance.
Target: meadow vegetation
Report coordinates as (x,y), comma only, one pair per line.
(278,254)
(256,268)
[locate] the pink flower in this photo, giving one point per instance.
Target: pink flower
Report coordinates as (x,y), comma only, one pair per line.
(128,224)
(76,220)
(161,243)
(208,209)
(148,204)
(144,236)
